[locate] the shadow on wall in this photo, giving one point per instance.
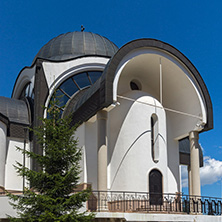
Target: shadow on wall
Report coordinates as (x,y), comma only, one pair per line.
(120,164)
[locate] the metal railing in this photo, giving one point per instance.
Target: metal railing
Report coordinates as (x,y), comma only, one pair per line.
(143,202)
(153,203)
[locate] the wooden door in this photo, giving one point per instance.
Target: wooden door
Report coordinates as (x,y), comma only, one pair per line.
(155,187)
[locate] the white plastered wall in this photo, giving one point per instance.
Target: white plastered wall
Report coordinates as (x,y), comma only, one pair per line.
(3,134)
(129,158)
(12,180)
(91,153)
(86,134)
(80,136)
(173,159)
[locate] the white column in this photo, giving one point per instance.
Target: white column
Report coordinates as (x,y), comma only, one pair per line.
(194,163)
(3,136)
(102,150)
(189,180)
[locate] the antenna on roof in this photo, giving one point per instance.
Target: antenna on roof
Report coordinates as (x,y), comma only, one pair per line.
(82,28)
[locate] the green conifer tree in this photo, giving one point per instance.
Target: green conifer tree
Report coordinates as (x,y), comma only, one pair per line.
(51,196)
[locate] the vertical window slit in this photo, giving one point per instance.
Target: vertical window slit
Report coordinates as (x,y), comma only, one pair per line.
(154,138)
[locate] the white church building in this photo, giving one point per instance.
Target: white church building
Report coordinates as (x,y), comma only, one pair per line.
(140,109)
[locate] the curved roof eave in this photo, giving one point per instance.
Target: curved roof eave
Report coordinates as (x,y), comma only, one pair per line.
(103,94)
(16,111)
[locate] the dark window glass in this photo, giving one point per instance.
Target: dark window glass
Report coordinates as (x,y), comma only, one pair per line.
(69,87)
(152,137)
(72,85)
(62,98)
(155,187)
(94,75)
(134,86)
(26,91)
(32,95)
(82,80)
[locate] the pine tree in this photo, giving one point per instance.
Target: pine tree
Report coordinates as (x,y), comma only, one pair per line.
(51,196)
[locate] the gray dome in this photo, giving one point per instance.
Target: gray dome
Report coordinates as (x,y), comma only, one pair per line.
(75,44)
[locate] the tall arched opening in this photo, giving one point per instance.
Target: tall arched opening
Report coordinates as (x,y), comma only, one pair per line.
(156,187)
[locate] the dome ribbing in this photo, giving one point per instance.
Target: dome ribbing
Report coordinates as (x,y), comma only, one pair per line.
(74,44)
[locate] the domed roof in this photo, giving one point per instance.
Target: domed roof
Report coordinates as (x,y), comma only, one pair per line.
(74,44)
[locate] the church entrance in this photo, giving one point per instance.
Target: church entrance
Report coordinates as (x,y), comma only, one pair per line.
(155,187)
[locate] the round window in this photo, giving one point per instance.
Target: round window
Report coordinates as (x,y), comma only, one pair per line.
(135,85)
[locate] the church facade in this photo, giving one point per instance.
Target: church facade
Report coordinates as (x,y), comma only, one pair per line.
(140,109)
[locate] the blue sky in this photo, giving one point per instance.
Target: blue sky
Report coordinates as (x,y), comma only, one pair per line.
(193,27)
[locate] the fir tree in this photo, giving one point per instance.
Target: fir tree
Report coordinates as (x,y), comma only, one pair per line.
(51,196)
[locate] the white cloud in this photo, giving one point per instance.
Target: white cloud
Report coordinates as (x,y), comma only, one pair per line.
(184,176)
(210,173)
(217,147)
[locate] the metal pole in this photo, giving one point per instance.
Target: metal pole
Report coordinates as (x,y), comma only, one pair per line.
(161,84)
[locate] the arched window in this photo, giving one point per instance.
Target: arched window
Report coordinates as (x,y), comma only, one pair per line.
(135,85)
(156,187)
(73,85)
(154,138)
(27,91)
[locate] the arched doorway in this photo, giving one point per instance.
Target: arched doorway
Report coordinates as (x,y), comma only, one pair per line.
(156,187)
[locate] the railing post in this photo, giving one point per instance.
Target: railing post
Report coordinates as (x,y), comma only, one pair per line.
(124,202)
(220,206)
(148,205)
(204,206)
(188,204)
(201,207)
(98,208)
(111,206)
(210,208)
